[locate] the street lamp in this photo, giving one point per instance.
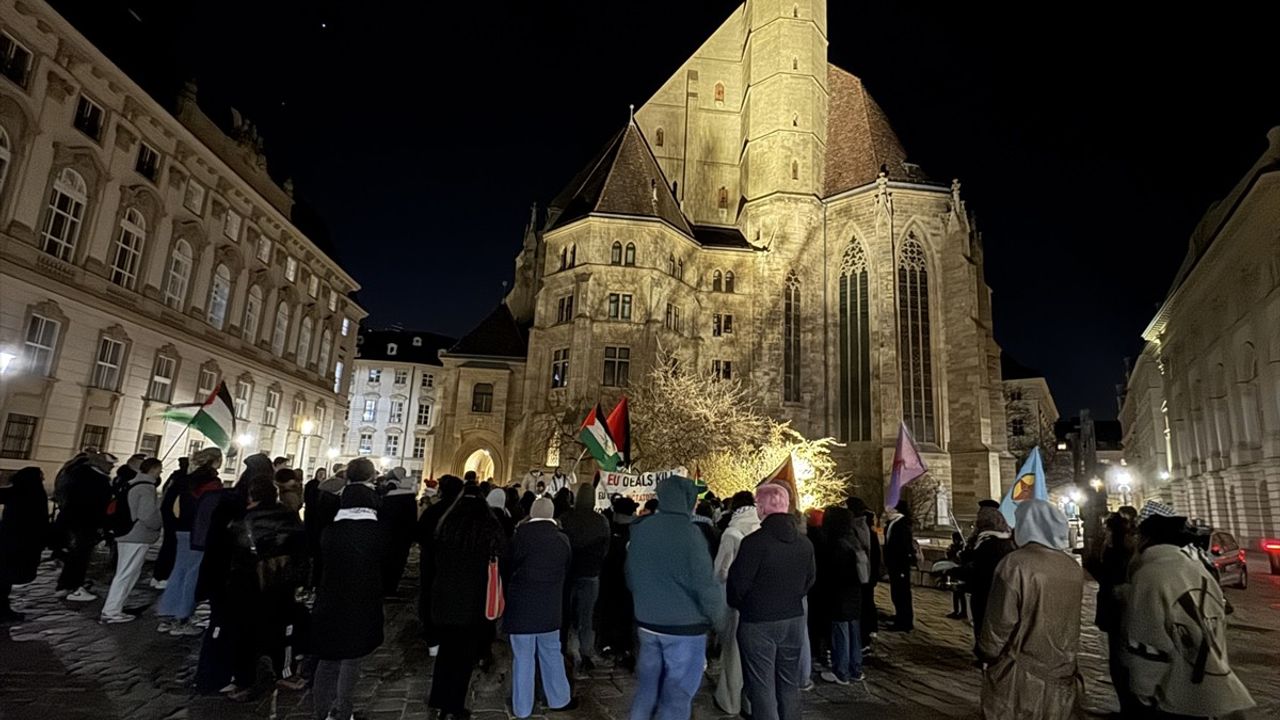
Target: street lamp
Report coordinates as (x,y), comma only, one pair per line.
(1164,474)
(308,427)
(243,440)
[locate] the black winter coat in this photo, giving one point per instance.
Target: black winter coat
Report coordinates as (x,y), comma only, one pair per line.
(533,575)
(88,492)
(841,591)
(347,618)
(462,568)
(899,546)
(978,569)
(277,533)
(588,534)
(24,526)
(772,573)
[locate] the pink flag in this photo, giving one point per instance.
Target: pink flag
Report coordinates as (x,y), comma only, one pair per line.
(907,465)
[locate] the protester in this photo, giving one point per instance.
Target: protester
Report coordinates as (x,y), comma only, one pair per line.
(144,512)
(174,485)
(24,527)
(280,463)
(496,499)
(80,518)
(320,497)
(870,620)
(398,514)
(992,540)
(468,538)
(1031,634)
(534,570)
(767,585)
(742,522)
(1112,574)
(450,488)
(513,506)
(178,601)
(347,619)
(842,587)
(677,601)
(588,535)
(289,489)
(617,617)
(1175,627)
(563,501)
(817,636)
(702,519)
(952,567)
(899,560)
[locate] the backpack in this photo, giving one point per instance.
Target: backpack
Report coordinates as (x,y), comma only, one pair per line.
(119,518)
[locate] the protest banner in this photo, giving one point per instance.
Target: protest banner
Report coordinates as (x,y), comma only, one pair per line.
(640,487)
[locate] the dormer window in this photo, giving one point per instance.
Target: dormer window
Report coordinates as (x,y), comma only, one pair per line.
(417,342)
(15,60)
(392,348)
(658,137)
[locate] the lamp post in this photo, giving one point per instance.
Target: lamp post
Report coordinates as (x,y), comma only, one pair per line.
(308,427)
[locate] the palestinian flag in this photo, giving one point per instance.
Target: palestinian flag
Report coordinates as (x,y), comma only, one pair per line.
(215,418)
(619,424)
(595,435)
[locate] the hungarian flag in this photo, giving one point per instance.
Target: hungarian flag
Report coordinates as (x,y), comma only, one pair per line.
(595,435)
(619,424)
(785,475)
(907,465)
(1029,485)
(215,418)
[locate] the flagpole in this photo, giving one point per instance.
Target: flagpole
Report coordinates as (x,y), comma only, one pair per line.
(181,434)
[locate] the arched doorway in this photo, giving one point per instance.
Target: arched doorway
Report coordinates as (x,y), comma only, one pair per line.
(481,463)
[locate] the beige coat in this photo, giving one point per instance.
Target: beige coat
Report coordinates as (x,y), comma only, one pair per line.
(1030,637)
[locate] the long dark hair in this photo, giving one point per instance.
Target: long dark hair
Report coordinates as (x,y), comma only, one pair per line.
(837,523)
(470,526)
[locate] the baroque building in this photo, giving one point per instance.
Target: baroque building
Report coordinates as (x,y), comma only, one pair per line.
(759,219)
(145,256)
(1215,345)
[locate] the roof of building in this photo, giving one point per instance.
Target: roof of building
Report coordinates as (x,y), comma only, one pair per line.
(860,142)
(395,345)
(720,236)
(498,335)
(1011,369)
(624,179)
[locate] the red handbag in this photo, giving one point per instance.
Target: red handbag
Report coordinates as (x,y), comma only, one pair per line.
(494,601)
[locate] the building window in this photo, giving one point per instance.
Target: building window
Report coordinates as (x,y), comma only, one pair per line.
(252,314)
(370,413)
(393,446)
(41,342)
(313,286)
(722,198)
(424,413)
(671,265)
(366,443)
(271,413)
(264,249)
(629,255)
(15,60)
(719,93)
(194,447)
(721,324)
(304,342)
(290,268)
(244,394)
(346,326)
(62,218)
(392,349)
(428,380)
(482,398)
(673,320)
(94,436)
(219,294)
(619,306)
(175,287)
(106,368)
(1016,428)
(299,410)
(402,377)
(615,254)
(728,281)
(149,445)
(375,375)
(915,352)
(717,281)
(5,155)
(1015,394)
(19,437)
(148,162)
(337,376)
(162,374)
(193,196)
(573,256)
(124,263)
(680,269)
(795,170)
(89,117)
(560,368)
(791,339)
(280,331)
(658,137)
(855,346)
(617,366)
(396,415)
(564,309)
(722,369)
(208,383)
(419,448)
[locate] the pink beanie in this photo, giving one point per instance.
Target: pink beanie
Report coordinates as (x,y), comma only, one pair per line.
(771,499)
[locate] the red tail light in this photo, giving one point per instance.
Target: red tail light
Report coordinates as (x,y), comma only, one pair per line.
(1270,545)
(1216,549)
(1241,555)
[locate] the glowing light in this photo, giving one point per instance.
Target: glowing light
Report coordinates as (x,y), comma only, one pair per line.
(384,460)
(244,440)
(804,468)
(332,453)
(807,501)
(1164,474)
(1076,496)
(5,359)
(308,426)
(1096,484)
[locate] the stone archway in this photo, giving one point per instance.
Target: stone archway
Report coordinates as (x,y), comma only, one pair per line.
(481,463)
(480,455)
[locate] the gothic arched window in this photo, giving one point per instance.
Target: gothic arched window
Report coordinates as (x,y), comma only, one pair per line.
(728,281)
(855,346)
(795,170)
(722,198)
(914,349)
(717,281)
(658,137)
(671,265)
(615,254)
(791,339)
(630,257)
(719,92)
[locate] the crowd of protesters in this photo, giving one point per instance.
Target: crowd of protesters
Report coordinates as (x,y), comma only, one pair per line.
(771,597)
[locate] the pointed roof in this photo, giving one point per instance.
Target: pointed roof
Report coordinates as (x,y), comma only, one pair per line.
(624,179)
(860,140)
(498,335)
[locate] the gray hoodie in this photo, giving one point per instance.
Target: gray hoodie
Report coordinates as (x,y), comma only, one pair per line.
(144,508)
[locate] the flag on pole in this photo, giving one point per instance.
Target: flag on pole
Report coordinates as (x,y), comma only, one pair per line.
(907,465)
(595,435)
(785,475)
(215,418)
(619,424)
(1030,485)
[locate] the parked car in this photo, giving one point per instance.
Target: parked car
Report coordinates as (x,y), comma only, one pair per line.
(1271,546)
(1229,559)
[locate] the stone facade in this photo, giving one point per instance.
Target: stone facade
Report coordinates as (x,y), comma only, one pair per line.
(145,256)
(1216,345)
(1031,415)
(1145,422)
(760,161)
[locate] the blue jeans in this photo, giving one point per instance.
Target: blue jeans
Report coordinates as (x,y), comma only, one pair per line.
(530,652)
(178,600)
(846,648)
(668,674)
(771,663)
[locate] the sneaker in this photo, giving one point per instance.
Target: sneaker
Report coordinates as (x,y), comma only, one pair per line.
(81,595)
(185,630)
(807,686)
(230,688)
(857,677)
(116,619)
(159,584)
(433,651)
(165,626)
(833,678)
(62,594)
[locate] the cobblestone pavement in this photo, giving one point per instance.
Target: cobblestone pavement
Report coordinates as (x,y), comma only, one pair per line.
(62,664)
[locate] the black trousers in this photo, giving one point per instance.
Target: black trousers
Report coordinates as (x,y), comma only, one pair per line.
(164,559)
(900,592)
(75,561)
(460,649)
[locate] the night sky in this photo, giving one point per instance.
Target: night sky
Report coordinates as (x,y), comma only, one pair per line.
(1089,140)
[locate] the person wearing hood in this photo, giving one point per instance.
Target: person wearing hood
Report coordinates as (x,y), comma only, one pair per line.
(144,511)
(1031,634)
(496,499)
(450,488)
(677,601)
(173,486)
(767,585)
(534,570)
(992,540)
(24,526)
(289,489)
(900,559)
(743,521)
(1175,628)
(617,618)
(563,500)
(588,534)
(347,618)
(864,531)
(398,513)
(1112,573)
(178,601)
(255,465)
(82,515)
(844,570)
